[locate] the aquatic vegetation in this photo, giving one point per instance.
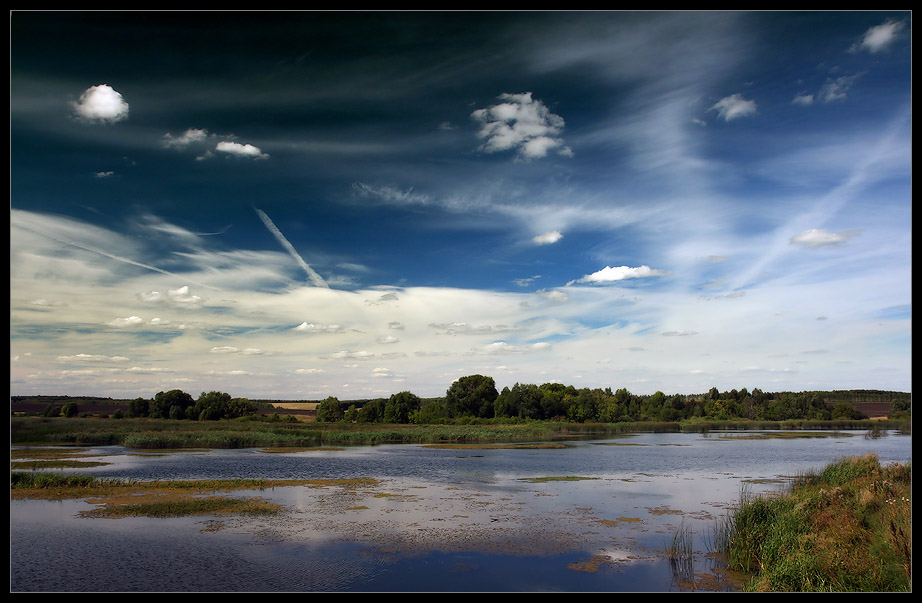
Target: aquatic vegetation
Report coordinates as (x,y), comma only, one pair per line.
(847,527)
(567,478)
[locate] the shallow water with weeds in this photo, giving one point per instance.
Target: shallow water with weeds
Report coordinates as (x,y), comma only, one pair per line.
(586,517)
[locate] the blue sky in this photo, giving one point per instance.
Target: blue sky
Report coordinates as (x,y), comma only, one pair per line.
(296,205)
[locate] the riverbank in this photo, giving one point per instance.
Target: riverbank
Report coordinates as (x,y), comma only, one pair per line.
(845,528)
(249,433)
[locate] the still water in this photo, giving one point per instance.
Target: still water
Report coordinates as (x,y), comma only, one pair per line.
(435,520)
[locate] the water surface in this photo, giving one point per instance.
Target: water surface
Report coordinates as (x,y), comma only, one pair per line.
(438,519)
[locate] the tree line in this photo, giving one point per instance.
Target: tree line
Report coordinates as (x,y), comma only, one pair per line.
(476,397)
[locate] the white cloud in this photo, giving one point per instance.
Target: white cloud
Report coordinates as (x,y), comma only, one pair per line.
(190,136)
(501,347)
(224,349)
(388,339)
(803,99)
(309,327)
(611,274)
(92,358)
(126,322)
(240,150)
(554,295)
(880,37)
(523,124)
(100,104)
(180,297)
(106,174)
(548,238)
(818,237)
(837,89)
(734,106)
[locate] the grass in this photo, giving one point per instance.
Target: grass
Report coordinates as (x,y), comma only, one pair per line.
(846,528)
(165,434)
(118,498)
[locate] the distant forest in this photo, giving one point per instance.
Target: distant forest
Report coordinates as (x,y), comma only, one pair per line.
(475,398)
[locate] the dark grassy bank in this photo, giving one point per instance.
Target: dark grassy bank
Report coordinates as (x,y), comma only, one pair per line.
(247,433)
(846,528)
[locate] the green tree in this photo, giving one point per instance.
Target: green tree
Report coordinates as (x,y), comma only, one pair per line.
(163,401)
(330,410)
(372,411)
(472,396)
(431,412)
(139,407)
(351,414)
(399,406)
(210,406)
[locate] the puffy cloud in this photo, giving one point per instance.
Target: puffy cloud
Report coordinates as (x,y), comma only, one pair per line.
(548,238)
(611,274)
(388,339)
(309,327)
(126,322)
(818,237)
(240,150)
(880,37)
(837,89)
(803,99)
(521,123)
(180,297)
(733,106)
(100,104)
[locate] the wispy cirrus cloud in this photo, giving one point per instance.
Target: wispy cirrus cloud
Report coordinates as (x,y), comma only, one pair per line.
(880,37)
(820,237)
(733,107)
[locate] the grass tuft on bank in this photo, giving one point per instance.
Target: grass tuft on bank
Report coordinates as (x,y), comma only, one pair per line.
(846,528)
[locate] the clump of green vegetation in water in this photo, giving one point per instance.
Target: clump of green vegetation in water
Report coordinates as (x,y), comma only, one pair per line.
(60,464)
(183,507)
(845,528)
(566,478)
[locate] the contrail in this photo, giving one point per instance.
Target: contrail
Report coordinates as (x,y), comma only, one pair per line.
(316,279)
(115,257)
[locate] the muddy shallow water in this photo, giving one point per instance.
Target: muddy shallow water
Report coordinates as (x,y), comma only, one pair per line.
(595,516)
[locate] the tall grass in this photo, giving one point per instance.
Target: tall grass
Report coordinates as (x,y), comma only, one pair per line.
(846,527)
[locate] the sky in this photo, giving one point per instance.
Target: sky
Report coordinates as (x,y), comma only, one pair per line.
(295,205)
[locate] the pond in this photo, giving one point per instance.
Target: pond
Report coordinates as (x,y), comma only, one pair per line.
(596,515)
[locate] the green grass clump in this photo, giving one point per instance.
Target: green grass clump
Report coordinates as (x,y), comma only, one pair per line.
(846,528)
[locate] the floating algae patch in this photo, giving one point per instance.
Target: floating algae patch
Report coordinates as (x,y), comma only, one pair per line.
(529,446)
(292,449)
(665,511)
(566,478)
(61,464)
(784,435)
(50,453)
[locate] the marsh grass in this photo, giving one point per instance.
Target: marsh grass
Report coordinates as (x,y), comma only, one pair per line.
(185,506)
(117,498)
(682,557)
(847,527)
(244,433)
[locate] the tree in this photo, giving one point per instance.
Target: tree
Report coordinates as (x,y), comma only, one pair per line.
(372,411)
(471,396)
(163,401)
(210,406)
(399,407)
(330,410)
(139,407)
